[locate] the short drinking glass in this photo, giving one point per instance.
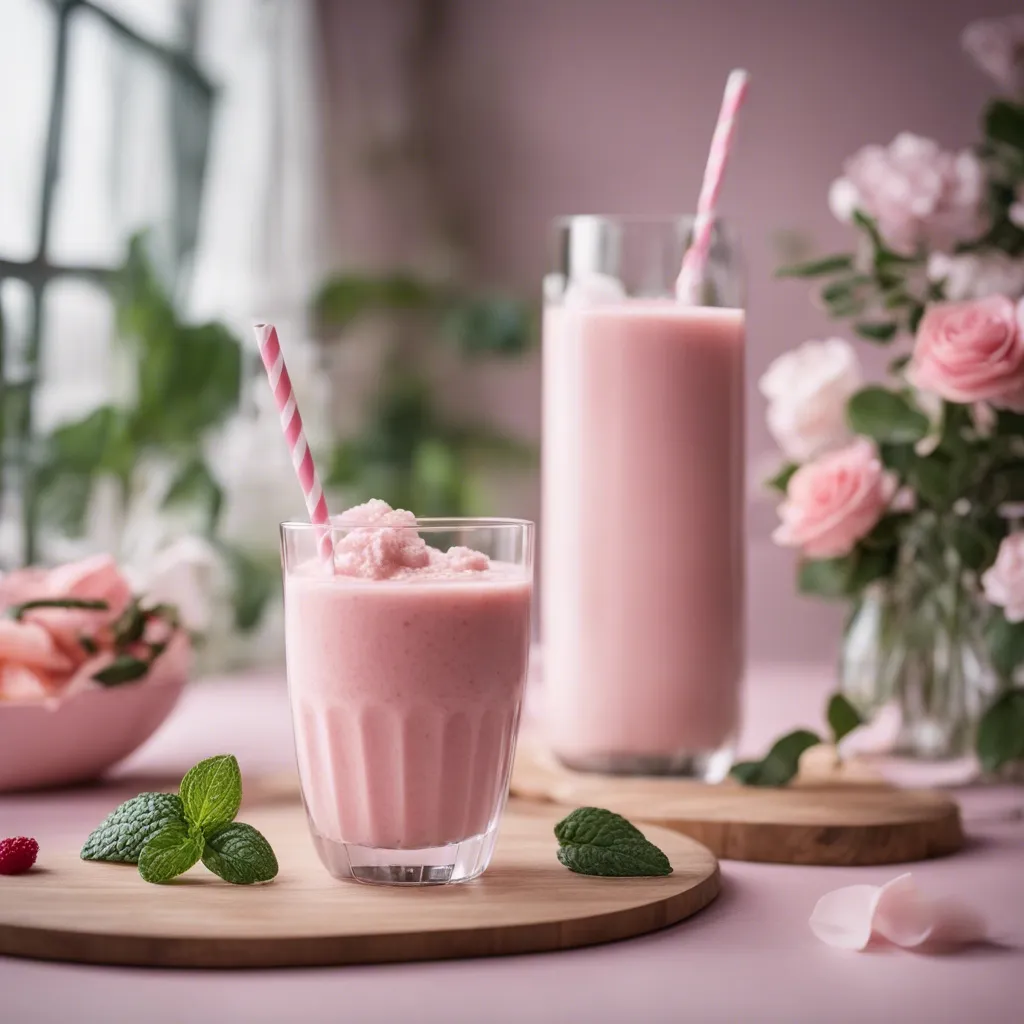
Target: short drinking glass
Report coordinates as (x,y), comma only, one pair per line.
(406,696)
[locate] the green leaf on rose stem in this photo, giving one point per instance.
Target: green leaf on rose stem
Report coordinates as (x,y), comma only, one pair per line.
(843,717)
(868,566)
(240,855)
(1009,424)
(887,532)
(819,267)
(972,543)
(1003,122)
(930,478)
(593,841)
(870,228)
(1005,644)
(211,792)
(881,331)
(123,669)
(170,852)
(781,764)
(825,577)
(1000,737)
(885,416)
(126,830)
(18,610)
(898,457)
(914,316)
(780,481)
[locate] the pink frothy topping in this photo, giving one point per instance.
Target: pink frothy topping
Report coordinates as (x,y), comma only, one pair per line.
(382,542)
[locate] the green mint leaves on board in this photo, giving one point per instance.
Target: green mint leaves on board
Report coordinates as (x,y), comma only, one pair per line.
(123,833)
(166,833)
(593,841)
(780,764)
(842,716)
(212,792)
(239,854)
(171,852)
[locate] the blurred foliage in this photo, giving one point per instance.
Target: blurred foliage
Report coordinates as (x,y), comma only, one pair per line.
(186,382)
(409,452)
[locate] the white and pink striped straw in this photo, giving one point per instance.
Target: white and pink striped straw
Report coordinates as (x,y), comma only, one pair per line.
(291,424)
(691,276)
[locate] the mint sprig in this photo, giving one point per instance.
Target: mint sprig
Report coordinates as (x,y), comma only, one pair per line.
(212,792)
(166,834)
(123,833)
(593,841)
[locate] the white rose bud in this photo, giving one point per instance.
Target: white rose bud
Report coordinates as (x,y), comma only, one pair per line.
(807,390)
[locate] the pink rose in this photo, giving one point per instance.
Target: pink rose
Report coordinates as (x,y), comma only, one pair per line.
(92,579)
(1004,582)
(833,502)
(971,352)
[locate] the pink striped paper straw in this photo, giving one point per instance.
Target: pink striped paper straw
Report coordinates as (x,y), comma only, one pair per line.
(291,424)
(696,257)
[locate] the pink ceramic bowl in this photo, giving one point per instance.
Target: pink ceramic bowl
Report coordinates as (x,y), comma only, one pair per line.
(78,737)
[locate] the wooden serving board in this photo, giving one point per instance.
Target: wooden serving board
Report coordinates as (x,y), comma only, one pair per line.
(69,909)
(849,817)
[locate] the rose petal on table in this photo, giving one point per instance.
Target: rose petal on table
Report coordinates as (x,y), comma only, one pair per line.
(902,915)
(843,917)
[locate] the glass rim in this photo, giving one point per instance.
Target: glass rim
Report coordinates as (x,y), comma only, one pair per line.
(639,219)
(435,523)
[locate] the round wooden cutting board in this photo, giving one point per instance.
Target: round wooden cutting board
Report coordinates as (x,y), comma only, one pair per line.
(825,818)
(69,909)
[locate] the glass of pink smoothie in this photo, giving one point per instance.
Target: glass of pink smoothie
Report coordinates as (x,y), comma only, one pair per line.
(643,480)
(407,660)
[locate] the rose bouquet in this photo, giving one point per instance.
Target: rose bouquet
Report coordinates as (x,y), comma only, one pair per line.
(902,496)
(79,626)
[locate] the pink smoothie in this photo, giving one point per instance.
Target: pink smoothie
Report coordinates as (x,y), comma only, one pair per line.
(406,693)
(642,528)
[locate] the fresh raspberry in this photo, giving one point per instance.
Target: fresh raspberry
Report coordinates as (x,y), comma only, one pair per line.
(17,855)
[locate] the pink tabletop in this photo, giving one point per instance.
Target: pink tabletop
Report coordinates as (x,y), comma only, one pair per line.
(749,957)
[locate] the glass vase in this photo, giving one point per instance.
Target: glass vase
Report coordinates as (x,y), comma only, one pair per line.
(917,640)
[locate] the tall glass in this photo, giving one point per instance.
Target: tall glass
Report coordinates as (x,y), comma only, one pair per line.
(406,696)
(643,501)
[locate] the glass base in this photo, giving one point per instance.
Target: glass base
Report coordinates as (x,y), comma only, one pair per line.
(705,765)
(431,865)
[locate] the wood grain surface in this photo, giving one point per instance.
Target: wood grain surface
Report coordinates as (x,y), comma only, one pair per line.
(846,817)
(69,909)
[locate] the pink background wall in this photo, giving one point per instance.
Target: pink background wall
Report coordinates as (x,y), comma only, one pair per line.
(547,107)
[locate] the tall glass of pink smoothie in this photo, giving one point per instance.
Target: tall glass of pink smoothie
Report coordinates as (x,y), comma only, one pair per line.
(642,527)
(407,658)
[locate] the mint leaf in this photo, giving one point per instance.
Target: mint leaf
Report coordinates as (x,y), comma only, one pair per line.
(212,792)
(843,717)
(172,851)
(1001,731)
(123,669)
(781,763)
(593,841)
(240,854)
(123,833)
